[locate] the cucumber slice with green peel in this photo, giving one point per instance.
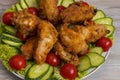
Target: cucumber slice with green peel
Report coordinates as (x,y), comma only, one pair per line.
(98,50)
(111,38)
(18,6)
(32,3)
(11,43)
(14,8)
(106,20)
(9,10)
(66,3)
(85,63)
(48,74)
(36,72)
(1,28)
(10,30)
(95,59)
(59,2)
(23,4)
(110,30)
(11,38)
(99,14)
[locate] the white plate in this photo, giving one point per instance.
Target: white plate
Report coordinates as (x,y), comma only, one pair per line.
(90,71)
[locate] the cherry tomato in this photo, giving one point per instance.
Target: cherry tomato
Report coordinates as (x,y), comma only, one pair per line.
(33,10)
(85,4)
(68,71)
(53,59)
(17,62)
(61,8)
(21,37)
(104,42)
(7,18)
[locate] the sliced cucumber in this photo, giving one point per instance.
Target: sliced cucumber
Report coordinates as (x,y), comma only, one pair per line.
(9,10)
(99,14)
(11,43)
(23,4)
(66,3)
(32,3)
(10,30)
(106,20)
(18,6)
(111,38)
(37,71)
(1,28)
(14,8)
(59,2)
(56,74)
(98,50)
(84,63)
(110,30)
(48,74)
(11,38)
(95,59)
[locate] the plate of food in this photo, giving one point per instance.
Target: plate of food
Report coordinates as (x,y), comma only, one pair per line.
(54,39)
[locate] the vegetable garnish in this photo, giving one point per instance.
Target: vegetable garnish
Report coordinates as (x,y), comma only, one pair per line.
(17,62)
(7,18)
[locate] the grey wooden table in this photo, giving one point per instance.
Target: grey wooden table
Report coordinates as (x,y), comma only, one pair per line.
(111,68)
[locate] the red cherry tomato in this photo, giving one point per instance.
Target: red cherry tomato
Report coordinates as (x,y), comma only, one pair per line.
(7,18)
(104,42)
(61,8)
(53,59)
(33,10)
(68,71)
(85,4)
(21,37)
(17,62)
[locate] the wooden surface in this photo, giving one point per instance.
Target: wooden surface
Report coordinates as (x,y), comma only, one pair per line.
(111,68)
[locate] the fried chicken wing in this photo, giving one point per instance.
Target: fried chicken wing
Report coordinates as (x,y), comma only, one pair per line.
(28,48)
(25,22)
(49,10)
(47,37)
(66,56)
(77,12)
(91,32)
(75,39)
(72,41)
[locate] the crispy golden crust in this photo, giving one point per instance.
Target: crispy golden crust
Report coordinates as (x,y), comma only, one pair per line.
(66,56)
(25,22)
(91,32)
(28,48)
(49,10)
(76,12)
(47,37)
(71,40)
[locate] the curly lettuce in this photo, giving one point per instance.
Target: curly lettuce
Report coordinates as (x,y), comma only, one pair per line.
(6,52)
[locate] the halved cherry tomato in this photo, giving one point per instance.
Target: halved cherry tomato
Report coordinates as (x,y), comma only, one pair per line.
(7,18)
(20,36)
(33,10)
(17,62)
(61,8)
(104,42)
(53,59)
(68,71)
